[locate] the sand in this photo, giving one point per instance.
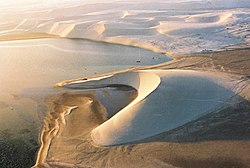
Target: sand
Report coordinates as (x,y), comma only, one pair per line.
(215,139)
(173,27)
(30,68)
(180,97)
(186,95)
(13,37)
(78,111)
(113,125)
(193,143)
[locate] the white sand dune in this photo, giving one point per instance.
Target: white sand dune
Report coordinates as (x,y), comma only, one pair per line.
(209,18)
(201,24)
(114,29)
(166,100)
(147,22)
(62,29)
(175,27)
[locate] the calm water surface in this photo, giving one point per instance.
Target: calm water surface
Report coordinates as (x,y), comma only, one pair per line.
(28,71)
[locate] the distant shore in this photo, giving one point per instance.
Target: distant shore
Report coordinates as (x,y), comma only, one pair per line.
(28,36)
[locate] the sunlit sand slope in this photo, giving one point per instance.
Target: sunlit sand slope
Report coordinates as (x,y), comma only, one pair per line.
(205,107)
(166,100)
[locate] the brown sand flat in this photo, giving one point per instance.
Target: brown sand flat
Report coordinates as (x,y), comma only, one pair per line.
(70,119)
(57,127)
(220,139)
(235,61)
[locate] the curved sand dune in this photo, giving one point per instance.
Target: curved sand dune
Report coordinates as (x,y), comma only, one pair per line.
(209,18)
(173,27)
(114,29)
(138,80)
(166,100)
(207,23)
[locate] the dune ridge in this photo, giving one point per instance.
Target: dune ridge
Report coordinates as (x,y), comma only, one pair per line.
(184,93)
(214,26)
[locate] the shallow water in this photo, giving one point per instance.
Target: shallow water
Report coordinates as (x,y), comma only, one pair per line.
(47,61)
(28,71)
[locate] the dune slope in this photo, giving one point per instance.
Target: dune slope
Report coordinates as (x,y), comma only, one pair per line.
(166,100)
(166,26)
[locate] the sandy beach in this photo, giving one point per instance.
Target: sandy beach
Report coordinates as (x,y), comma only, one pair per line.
(26,36)
(125,84)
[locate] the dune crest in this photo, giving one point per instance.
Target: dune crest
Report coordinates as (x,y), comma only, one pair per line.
(62,29)
(185,95)
(172,27)
(209,17)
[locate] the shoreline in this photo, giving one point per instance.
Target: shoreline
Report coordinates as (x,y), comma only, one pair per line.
(207,62)
(125,84)
(191,62)
(223,61)
(32,36)
(27,36)
(89,112)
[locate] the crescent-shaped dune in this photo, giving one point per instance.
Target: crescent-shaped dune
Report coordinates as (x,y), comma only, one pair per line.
(166,100)
(210,18)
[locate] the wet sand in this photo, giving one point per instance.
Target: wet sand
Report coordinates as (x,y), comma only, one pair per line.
(30,69)
(27,36)
(70,119)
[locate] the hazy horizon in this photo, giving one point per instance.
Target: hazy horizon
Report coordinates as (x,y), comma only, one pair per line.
(15,3)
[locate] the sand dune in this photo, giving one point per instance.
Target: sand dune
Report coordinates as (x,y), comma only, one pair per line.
(209,18)
(167,102)
(114,29)
(62,29)
(202,24)
(172,27)
(210,109)
(187,95)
